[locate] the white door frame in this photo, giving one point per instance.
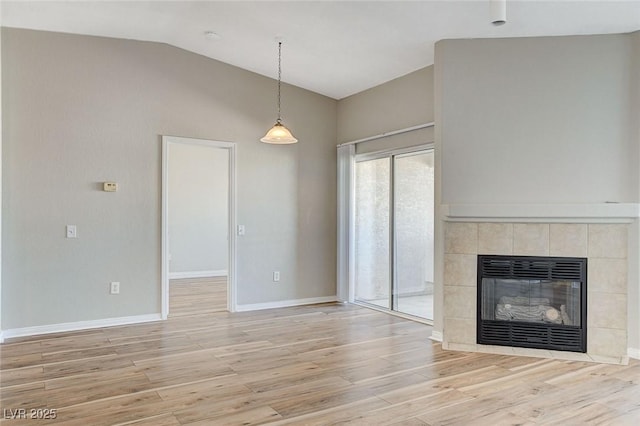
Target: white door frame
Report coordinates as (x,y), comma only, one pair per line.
(231,282)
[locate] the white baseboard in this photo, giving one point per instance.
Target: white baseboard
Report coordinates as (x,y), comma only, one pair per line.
(436,336)
(197,274)
(75,326)
(285,303)
(633,353)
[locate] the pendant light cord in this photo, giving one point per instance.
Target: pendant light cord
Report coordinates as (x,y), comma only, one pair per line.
(279,134)
(279,76)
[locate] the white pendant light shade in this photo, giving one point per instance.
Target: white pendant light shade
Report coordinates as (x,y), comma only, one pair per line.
(279,134)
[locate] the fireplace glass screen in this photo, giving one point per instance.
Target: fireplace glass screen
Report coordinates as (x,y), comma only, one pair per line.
(532,302)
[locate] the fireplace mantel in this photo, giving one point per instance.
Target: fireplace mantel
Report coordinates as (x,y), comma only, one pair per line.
(546,213)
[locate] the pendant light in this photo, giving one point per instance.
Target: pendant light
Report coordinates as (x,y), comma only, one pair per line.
(279,134)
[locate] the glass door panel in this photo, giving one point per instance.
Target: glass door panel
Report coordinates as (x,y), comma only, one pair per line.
(372,232)
(413,233)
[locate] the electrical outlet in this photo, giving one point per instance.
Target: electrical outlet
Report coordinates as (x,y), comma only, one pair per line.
(115,288)
(276,276)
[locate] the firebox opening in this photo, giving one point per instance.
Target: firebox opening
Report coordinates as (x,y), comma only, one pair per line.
(532,302)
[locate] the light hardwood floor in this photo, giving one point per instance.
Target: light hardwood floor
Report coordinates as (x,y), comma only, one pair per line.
(314,365)
(192,296)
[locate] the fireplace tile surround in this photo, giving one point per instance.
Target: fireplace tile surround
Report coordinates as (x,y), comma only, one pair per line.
(605,246)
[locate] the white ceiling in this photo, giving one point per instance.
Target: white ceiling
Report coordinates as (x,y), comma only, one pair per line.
(336,48)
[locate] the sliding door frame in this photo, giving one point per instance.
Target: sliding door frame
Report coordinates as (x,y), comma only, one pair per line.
(390,154)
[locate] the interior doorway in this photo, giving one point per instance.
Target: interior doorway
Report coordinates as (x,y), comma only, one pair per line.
(198,219)
(394,232)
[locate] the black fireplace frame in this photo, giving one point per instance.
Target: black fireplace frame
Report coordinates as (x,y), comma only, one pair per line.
(525,334)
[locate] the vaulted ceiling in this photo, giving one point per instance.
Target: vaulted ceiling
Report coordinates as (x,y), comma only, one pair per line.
(336,48)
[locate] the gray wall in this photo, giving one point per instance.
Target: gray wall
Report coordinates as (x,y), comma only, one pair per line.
(635,107)
(198,208)
(404,102)
(542,120)
(634,242)
(81,110)
(537,120)
(1,325)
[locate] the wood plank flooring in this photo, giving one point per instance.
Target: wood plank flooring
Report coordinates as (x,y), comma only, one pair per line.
(192,296)
(314,365)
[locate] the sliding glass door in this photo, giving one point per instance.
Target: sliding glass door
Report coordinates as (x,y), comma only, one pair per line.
(413,234)
(393,256)
(372,231)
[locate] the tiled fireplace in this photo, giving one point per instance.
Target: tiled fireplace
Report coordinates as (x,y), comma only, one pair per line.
(603,244)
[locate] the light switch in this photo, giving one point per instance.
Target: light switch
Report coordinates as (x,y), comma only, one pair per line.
(72,232)
(110,186)
(240,229)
